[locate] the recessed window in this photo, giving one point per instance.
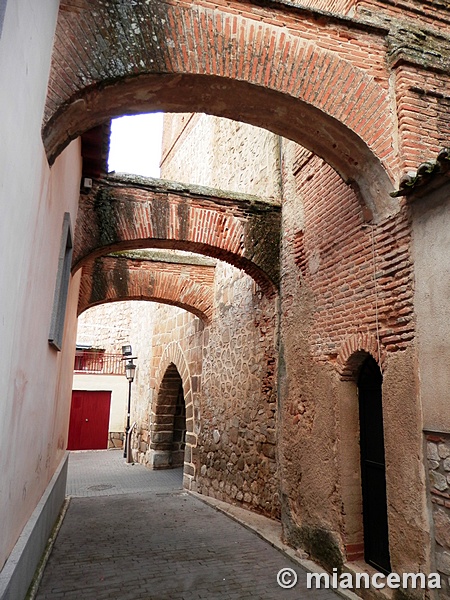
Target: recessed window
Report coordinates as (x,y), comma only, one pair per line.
(62,285)
(2,14)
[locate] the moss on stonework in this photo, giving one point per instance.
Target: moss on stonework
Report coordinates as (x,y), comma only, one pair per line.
(318,542)
(219,196)
(99,283)
(322,546)
(120,276)
(168,256)
(421,46)
(105,216)
(262,243)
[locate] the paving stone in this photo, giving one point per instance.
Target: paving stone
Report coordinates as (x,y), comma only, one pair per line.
(157,545)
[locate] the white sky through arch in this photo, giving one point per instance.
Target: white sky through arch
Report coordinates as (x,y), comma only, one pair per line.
(135,144)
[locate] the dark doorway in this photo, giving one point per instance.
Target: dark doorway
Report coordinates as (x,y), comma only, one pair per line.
(168,436)
(373,468)
(179,430)
(89,420)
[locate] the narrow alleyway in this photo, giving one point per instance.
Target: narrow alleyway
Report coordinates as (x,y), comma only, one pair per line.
(131,533)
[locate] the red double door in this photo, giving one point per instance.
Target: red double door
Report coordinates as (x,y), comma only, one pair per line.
(89,420)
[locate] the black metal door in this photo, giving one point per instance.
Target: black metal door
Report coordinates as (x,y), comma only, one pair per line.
(373,469)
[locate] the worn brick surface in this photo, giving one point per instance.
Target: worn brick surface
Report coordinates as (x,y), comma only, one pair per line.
(359,272)
(107,279)
(144,213)
(306,64)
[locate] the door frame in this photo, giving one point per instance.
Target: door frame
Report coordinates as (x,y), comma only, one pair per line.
(373,466)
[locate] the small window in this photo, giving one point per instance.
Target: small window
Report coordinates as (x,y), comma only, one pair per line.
(62,286)
(2,14)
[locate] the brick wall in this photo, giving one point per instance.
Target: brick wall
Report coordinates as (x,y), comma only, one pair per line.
(347,292)
(359,273)
(422,94)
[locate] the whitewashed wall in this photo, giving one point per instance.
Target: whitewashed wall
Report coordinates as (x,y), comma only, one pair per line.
(36,379)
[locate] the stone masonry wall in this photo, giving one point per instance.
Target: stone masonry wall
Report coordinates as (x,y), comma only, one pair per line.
(438,454)
(106,326)
(237,442)
(236,459)
(232,365)
(194,147)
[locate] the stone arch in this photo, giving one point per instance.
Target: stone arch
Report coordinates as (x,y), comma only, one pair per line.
(170,407)
(173,368)
(298,82)
(117,278)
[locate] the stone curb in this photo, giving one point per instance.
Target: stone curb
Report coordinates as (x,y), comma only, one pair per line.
(34,587)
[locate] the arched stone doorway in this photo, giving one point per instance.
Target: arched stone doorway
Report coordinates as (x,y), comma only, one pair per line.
(179,429)
(173,369)
(168,430)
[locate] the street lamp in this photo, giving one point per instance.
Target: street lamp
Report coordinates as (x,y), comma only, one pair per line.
(130,369)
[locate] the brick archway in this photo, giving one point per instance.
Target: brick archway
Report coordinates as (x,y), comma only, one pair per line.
(118,278)
(172,369)
(303,81)
(126,214)
(353,353)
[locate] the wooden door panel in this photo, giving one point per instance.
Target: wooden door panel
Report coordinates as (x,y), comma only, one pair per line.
(89,420)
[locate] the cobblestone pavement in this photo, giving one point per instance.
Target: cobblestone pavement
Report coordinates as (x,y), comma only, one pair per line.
(160,545)
(105,473)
